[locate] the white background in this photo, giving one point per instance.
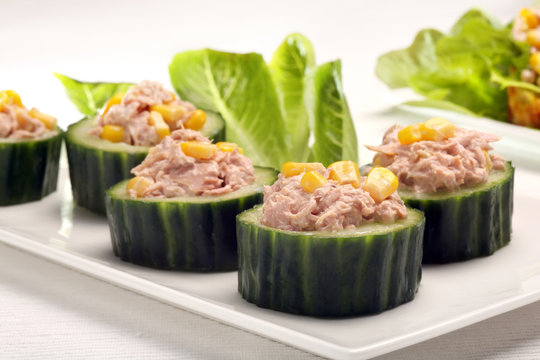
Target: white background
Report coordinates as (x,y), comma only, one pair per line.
(47,311)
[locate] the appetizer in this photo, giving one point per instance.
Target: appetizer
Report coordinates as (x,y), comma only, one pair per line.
(179,210)
(465,191)
(30,144)
(102,149)
(328,242)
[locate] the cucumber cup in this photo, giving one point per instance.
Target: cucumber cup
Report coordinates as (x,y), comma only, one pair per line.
(192,233)
(30,168)
(365,270)
(96,164)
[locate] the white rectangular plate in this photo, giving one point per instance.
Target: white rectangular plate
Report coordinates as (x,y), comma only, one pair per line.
(450,296)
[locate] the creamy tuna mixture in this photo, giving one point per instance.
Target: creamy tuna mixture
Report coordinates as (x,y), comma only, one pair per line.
(17,123)
(174,173)
(447,165)
(133,113)
(331,207)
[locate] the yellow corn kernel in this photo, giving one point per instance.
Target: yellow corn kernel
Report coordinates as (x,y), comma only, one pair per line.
(294,168)
(139,184)
(170,113)
(10,97)
(410,134)
(345,172)
(489,163)
(114,100)
(198,150)
(534,61)
(173,96)
(380,183)
(533,37)
(312,180)
(47,120)
(228,147)
(437,129)
(529,18)
(161,127)
(196,121)
(114,133)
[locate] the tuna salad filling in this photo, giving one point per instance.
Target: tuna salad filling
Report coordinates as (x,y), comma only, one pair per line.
(145,114)
(18,122)
(331,206)
(188,164)
(427,166)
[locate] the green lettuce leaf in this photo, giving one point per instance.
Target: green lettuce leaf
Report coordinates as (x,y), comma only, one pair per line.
(470,67)
(335,136)
(240,88)
(291,63)
(89,97)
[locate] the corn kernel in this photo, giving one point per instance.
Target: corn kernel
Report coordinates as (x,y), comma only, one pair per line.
(161,127)
(489,163)
(139,184)
(114,133)
(533,37)
(228,147)
(380,183)
(345,172)
(170,113)
(529,18)
(312,180)
(410,134)
(196,121)
(10,97)
(114,100)
(47,120)
(294,168)
(534,61)
(198,150)
(437,129)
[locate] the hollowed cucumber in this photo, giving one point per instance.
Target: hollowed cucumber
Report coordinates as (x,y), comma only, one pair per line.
(96,164)
(368,269)
(472,222)
(29,168)
(195,233)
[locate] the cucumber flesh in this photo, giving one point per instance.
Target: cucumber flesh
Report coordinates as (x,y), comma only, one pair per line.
(471,222)
(192,233)
(344,273)
(30,168)
(96,164)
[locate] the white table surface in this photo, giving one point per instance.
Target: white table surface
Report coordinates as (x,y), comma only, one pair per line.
(48,311)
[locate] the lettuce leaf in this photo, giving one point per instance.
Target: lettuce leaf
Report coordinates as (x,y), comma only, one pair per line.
(292,62)
(272,110)
(335,137)
(89,97)
(469,67)
(240,88)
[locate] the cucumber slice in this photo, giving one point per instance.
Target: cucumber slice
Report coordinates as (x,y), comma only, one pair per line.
(472,222)
(96,164)
(30,168)
(368,269)
(195,233)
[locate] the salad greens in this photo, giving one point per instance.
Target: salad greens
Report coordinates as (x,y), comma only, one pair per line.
(272,110)
(89,97)
(466,70)
(287,110)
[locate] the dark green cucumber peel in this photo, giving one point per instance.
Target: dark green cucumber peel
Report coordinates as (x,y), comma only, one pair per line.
(30,168)
(473,222)
(361,271)
(95,164)
(188,233)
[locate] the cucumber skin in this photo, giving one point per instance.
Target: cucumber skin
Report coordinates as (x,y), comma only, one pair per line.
(328,276)
(30,169)
(92,171)
(451,234)
(177,235)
